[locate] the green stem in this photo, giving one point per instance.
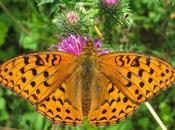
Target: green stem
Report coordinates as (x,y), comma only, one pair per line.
(108,30)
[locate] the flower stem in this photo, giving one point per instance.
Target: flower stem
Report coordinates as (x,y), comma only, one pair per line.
(54,127)
(156,117)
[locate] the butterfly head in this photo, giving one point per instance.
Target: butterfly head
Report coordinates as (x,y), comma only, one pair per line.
(80,45)
(89,48)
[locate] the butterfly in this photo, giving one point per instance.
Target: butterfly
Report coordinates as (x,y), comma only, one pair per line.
(106,88)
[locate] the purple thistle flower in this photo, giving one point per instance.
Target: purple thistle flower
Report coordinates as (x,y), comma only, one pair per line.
(74,44)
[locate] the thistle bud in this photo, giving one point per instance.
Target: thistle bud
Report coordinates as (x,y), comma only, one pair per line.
(110,3)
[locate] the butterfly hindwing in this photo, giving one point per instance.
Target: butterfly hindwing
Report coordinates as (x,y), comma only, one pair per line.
(114,105)
(137,76)
(60,107)
(35,76)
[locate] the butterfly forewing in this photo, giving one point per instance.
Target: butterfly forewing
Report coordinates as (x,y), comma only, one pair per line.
(36,75)
(137,76)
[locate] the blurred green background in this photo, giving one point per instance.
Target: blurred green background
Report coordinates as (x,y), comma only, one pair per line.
(28,25)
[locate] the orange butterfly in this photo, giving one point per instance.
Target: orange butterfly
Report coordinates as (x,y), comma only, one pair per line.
(105,87)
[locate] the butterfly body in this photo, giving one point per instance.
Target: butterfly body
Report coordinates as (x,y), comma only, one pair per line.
(86,80)
(104,87)
(87,71)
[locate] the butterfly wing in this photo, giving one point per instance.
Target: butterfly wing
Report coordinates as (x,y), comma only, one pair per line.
(112,105)
(37,75)
(125,81)
(60,107)
(137,76)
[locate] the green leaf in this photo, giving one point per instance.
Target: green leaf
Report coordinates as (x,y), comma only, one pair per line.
(37,122)
(3,32)
(2,103)
(28,41)
(4,115)
(55,8)
(165,111)
(7,53)
(144,122)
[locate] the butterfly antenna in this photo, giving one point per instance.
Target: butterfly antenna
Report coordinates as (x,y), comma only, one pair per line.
(100,35)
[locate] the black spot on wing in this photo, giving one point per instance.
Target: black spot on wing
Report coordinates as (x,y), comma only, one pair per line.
(26,60)
(50,111)
(113,117)
(141,84)
(111,89)
(151,71)
(135,62)
(128,107)
(39,61)
(33,83)
(37,91)
(58,109)
(125,99)
(10,73)
(148,61)
(22,70)
(43,105)
(23,79)
(47,58)
(67,111)
(150,80)
(60,101)
(57,116)
(34,71)
(104,111)
(6,69)
(54,60)
(129,75)
(122,61)
(162,74)
(46,74)
(26,91)
(102,118)
(69,118)
(136,91)
(111,102)
(46,84)
(128,59)
(121,112)
(129,84)
(140,73)
(34,96)
(54,98)
(61,88)
(114,110)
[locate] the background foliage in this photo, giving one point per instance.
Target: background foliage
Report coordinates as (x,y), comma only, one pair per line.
(147,26)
